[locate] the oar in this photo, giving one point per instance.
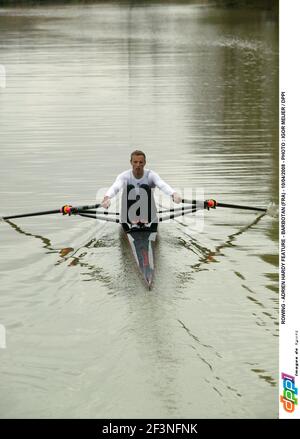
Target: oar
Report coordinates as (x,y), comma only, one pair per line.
(99,217)
(178,209)
(179,213)
(96,212)
(50,212)
(232,206)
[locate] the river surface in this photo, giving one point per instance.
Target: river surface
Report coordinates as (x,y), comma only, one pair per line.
(195,87)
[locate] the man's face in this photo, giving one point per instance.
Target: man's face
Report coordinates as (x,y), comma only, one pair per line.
(138,163)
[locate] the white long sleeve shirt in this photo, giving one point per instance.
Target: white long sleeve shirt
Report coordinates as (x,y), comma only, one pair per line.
(151,178)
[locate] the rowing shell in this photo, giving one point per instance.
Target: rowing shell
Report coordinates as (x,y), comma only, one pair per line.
(141,241)
(141,238)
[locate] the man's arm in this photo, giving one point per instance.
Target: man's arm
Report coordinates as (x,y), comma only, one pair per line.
(165,188)
(112,191)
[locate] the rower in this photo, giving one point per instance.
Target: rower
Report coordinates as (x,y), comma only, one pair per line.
(138,206)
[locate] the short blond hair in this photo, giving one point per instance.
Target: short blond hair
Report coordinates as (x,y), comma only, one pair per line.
(137,152)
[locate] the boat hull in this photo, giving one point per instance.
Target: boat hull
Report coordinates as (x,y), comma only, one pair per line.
(141,241)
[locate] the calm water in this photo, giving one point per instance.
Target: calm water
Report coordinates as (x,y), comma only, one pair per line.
(195,87)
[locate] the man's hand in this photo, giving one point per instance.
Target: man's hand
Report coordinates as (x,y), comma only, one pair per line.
(176,198)
(105,203)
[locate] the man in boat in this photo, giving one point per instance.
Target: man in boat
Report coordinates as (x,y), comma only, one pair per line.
(138,206)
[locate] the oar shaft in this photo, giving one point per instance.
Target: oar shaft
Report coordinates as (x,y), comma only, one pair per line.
(232,206)
(236,206)
(95,212)
(91,206)
(24,215)
(180,209)
(177,214)
(49,212)
(100,217)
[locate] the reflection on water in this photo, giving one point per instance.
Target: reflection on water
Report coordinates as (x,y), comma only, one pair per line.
(195,87)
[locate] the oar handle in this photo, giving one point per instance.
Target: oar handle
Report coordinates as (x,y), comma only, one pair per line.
(232,206)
